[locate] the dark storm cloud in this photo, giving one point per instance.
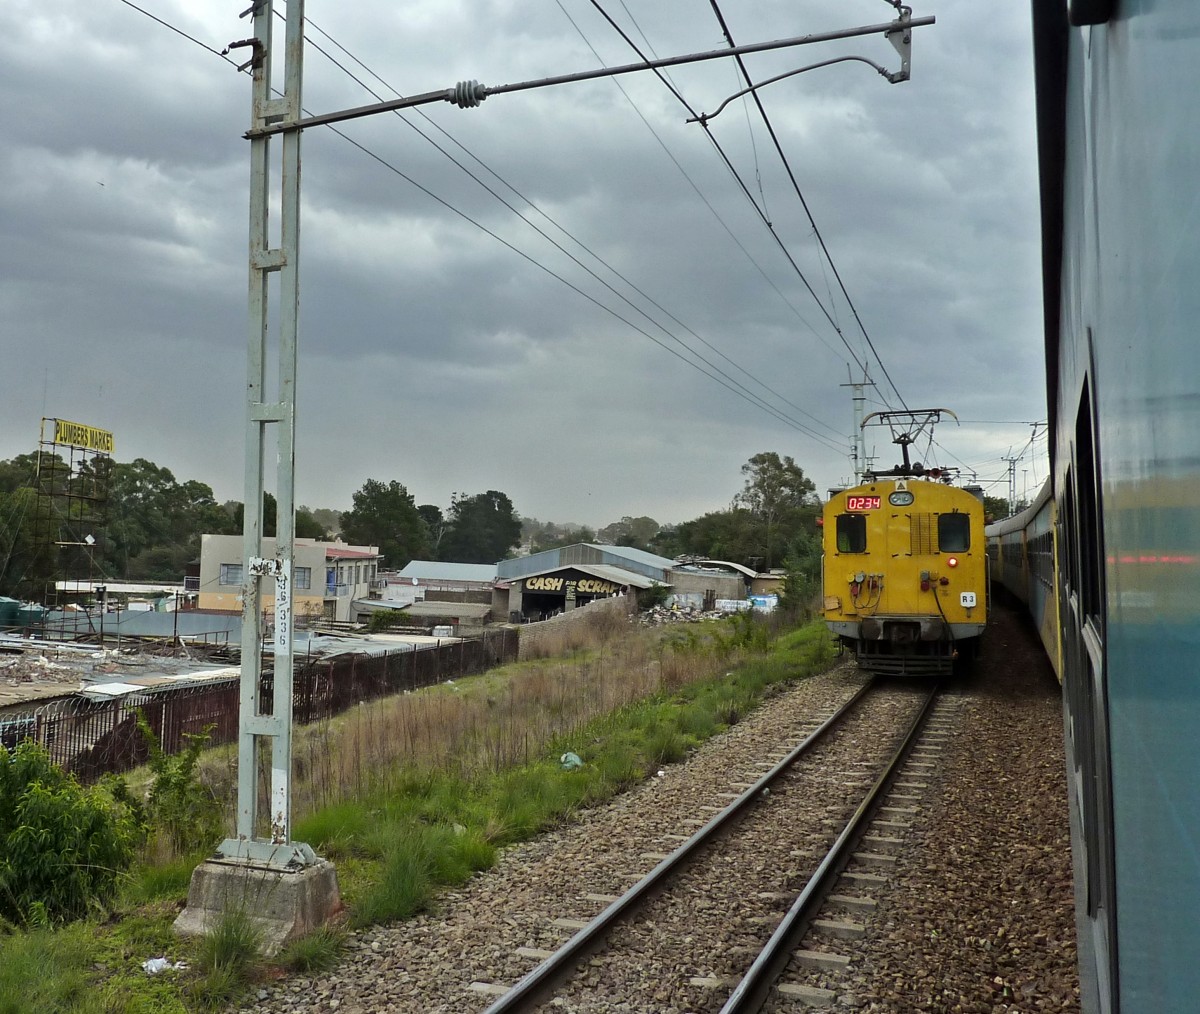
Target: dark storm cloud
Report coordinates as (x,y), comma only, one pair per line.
(431,351)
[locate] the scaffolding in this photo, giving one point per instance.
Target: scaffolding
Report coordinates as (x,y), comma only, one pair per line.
(74,468)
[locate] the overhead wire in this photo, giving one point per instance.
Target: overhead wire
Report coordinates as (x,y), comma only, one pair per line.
(733,171)
(590,298)
(565,232)
(716,373)
(800,196)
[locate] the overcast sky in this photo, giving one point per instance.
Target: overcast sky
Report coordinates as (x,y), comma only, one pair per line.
(437,345)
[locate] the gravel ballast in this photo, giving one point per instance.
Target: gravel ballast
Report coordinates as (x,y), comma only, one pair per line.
(978,916)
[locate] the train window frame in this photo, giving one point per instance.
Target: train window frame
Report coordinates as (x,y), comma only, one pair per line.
(1090,534)
(851,532)
(954,532)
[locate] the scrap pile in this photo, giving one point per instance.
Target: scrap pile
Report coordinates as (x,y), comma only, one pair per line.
(657,616)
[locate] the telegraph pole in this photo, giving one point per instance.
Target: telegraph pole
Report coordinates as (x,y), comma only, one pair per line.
(270,413)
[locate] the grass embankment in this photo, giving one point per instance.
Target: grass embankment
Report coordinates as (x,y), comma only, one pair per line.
(418,791)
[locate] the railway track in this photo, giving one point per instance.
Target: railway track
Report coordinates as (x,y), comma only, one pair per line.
(777,847)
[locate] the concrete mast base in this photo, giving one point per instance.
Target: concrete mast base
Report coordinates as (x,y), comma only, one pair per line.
(283,903)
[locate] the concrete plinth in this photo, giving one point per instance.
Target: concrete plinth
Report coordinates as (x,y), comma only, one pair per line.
(284,903)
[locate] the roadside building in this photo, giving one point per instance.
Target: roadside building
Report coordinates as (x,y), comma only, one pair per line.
(433,580)
(558,580)
(434,594)
(326,576)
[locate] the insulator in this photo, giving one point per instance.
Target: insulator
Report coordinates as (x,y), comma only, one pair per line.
(467,94)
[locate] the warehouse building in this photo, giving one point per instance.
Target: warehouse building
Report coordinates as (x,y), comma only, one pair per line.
(557,580)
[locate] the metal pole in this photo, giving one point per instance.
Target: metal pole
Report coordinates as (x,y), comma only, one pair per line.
(256,728)
(473,93)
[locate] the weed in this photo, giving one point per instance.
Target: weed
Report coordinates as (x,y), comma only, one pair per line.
(419,790)
(405,887)
(185,816)
(229,956)
(46,970)
(317,952)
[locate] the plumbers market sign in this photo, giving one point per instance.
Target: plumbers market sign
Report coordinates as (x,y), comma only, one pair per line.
(75,434)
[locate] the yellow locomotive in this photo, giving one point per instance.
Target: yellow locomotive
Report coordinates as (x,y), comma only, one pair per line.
(905,574)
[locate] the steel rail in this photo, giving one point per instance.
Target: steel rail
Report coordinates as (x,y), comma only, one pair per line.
(542,981)
(751,993)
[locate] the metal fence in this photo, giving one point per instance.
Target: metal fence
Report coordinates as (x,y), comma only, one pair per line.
(92,738)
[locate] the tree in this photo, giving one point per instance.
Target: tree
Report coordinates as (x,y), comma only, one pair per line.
(329,520)
(26,564)
(306,524)
(308,527)
(20,472)
(149,509)
(484,528)
(720,535)
(778,495)
(436,524)
(557,537)
(995,508)
(386,516)
(634,532)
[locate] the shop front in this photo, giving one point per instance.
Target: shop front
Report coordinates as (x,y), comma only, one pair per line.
(546,595)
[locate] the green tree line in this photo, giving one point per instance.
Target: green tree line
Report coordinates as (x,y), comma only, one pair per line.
(149,523)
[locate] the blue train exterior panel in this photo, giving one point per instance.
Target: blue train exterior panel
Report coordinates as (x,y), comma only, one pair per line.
(1119,139)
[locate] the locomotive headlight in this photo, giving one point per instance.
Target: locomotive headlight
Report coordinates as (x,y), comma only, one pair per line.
(952,561)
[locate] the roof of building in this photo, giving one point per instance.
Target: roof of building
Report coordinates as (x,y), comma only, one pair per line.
(149,588)
(435,570)
(636,555)
(588,554)
(182,623)
(462,610)
(709,564)
(334,552)
(603,571)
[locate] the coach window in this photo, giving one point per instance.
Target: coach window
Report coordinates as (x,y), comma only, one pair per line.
(852,533)
(954,533)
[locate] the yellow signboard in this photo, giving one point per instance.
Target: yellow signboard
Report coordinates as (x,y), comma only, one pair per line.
(77,435)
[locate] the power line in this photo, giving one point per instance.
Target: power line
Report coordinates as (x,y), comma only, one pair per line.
(796,186)
(565,232)
(753,399)
(733,171)
(732,385)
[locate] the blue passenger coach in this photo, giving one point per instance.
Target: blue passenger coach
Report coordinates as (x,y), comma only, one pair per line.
(1119,155)
(1022,555)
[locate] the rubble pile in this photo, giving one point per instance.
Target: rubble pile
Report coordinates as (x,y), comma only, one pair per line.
(657,616)
(70,664)
(30,668)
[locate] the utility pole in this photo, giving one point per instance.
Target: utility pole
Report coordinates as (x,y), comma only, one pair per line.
(268,860)
(270,410)
(857,455)
(285,887)
(1012,483)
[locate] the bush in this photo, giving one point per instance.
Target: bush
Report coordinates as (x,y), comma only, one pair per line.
(184,814)
(655,595)
(63,848)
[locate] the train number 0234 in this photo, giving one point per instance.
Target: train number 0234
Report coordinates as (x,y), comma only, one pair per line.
(862,503)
